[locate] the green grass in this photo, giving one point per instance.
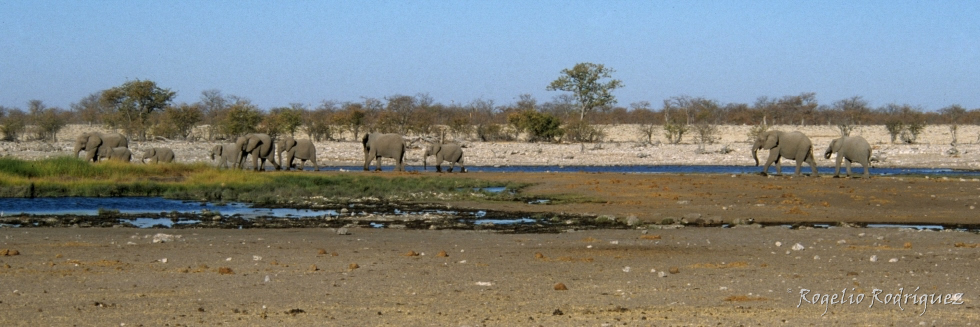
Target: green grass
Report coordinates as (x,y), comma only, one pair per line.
(66,176)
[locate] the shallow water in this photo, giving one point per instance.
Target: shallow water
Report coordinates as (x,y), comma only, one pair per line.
(87,206)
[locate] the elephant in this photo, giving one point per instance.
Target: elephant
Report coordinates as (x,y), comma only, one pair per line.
(851,149)
(377,145)
(791,145)
(301,149)
(92,142)
(118,153)
(227,155)
(260,146)
(450,152)
(158,155)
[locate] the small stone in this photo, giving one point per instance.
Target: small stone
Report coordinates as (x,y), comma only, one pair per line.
(442,254)
(778,244)
(321,252)
(874,258)
(343,231)
(314,268)
(225,271)
(560,287)
(908,245)
(353,266)
(538,255)
(798,247)
(411,254)
(662,274)
(256,258)
(893,260)
(675,270)
(334,254)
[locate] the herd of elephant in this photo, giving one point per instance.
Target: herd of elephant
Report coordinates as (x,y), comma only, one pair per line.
(262,148)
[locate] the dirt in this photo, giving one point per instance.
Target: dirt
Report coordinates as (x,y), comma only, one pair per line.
(755,271)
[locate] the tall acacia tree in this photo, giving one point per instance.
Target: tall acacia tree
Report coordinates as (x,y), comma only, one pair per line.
(134,101)
(583,81)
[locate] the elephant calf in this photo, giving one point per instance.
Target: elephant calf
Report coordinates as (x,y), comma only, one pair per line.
(789,145)
(227,155)
(450,152)
(850,148)
(158,155)
(301,149)
(118,153)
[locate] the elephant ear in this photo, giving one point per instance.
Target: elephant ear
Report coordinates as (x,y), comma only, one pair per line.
(252,144)
(290,143)
(771,141)
(435,148)
(94,141)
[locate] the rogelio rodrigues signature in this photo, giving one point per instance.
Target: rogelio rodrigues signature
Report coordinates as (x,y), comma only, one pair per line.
(880,298)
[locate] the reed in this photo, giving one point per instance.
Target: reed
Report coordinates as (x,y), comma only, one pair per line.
(66,176)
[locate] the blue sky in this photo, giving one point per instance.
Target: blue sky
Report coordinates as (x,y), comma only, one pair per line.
(923,53)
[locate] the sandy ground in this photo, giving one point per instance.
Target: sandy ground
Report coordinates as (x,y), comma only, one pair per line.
(621,147)
(648,275)
(690,276)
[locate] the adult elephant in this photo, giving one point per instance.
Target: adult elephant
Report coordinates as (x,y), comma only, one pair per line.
(850,148)
(158,155)
(117,154)
(227,155)
(301,149)
(92,142)
(792,145)
(260,147)
(377,145)
(450,152)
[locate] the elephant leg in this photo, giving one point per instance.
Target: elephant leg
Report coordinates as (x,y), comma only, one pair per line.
(837,165)
(799,166)
(866,173)
(848,167)
(316,167)
(377,167)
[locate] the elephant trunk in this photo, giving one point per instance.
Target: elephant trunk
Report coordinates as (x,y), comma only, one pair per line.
(78,149)
(755,155)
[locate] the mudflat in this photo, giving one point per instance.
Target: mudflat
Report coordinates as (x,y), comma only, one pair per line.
(757,271)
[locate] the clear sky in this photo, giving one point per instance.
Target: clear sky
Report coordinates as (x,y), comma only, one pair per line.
(923,53)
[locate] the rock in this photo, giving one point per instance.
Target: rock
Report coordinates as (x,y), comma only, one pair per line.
(321,252)
(164,238)
(353,266)
(442,254)
(343,231)
(314,268)
(675,270)
(798,247)
(225,271)
(631,220)
(560,287)
(411,254)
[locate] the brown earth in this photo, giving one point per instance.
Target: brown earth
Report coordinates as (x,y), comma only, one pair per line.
(649,276)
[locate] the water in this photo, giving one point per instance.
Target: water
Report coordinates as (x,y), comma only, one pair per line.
(688,169)
(86,206)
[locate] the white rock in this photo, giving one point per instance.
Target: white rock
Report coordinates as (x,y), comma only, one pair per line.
(778,244)
(893,260)
(256,258)
(874,258)
(484,284)
(798,247)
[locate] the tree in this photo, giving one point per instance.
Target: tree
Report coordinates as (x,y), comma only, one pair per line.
(47,121)
(13,121)
(351,117)
(242,117)
(178,121)
(583,81)
(213,106)
(539,126)
(90,109)
(134,101)
(953,114)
